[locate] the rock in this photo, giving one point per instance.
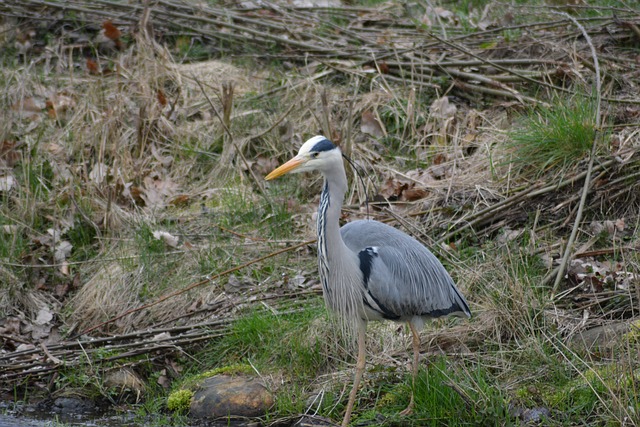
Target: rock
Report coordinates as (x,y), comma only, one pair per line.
(535,415)
(601,336)
(73,405)
(227,396)
(530,416)
(125,382)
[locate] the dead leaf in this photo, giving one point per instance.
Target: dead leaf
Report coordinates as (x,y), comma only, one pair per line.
(62,289)
(10,326)
(167,238)
(64,268)
(443,13)
(438,171)
(59,105)
(420,176)
(263,165)
(7,182)
(235,285)
(157,190)
(181,200)
(62,251)
(392,189)
(112,33)
(195,306)
(93,67)
(509,235)
(608,227)
(55,337)
(44,316)
(297,281)
(8,153)
(166,161)
(371,126)
(162,100)
(25,347)
(55,149)
(439,158)
(110,30)
(442,109)
(98,173)
(134,193)
(10,229)
(164,381)
(414,193)
(175,367)
(30,108)
(383,67)
(162,336)
(39,332)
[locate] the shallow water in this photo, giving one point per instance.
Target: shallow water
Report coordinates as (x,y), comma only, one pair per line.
(29,416)
(54,420)
(9,421)
(39,419)
(19,415)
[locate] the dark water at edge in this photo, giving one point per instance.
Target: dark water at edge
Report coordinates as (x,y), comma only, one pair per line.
(55,420)
(12,415)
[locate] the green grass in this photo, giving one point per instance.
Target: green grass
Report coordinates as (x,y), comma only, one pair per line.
(402,124)
(271,342)
(13,244)
(252,214)
(587,392)
(446,394)
(273,345)
(554,137)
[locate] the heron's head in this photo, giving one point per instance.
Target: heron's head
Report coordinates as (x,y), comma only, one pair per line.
(317,154)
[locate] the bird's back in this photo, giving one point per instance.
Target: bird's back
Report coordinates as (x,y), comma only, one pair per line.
(403,279)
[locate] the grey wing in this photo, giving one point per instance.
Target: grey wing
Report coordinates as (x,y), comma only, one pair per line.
(402,278)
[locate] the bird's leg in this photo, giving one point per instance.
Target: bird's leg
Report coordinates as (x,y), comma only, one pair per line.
(360,365)
(416,355)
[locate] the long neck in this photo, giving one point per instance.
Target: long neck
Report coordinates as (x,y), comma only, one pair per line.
(337,264)
(330,243)
(329,216)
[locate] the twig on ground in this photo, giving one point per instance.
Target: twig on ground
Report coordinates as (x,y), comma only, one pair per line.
(587,180)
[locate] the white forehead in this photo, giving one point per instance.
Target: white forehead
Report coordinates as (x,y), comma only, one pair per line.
(317,143)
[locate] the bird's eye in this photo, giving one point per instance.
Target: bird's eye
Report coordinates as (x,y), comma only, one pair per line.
(315,155)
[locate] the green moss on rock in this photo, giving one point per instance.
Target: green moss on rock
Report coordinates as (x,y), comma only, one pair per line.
(180,401)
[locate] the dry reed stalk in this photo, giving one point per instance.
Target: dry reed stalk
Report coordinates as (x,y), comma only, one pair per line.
(597,89)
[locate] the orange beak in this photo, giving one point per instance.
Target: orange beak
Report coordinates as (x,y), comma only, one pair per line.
(285,168)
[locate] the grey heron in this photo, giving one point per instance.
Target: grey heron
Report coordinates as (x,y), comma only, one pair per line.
(370,270)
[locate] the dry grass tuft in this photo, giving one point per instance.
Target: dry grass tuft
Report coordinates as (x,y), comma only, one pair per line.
(113,291)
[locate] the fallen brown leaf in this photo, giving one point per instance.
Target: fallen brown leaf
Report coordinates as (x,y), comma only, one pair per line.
(8,153)
(180,200)
(414,193)
(162,99)
(93,67)
(110,30)
(370,125)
